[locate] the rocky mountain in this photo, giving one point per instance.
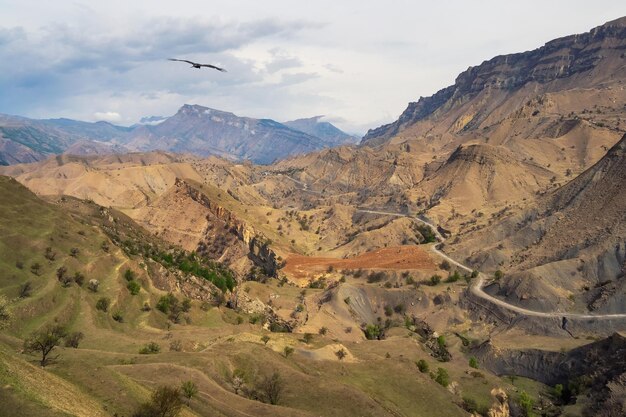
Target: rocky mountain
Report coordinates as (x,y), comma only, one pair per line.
(193,129)
(326,131)
(543,93)
(204,131)
(571,243)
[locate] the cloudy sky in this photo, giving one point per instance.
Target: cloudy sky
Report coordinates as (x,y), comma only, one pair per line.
(357,61)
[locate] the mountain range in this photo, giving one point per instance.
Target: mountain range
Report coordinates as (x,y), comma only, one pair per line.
(193,129)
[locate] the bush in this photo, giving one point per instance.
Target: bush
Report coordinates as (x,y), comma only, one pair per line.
(26,289)
(265,338)
(307,338)
(165,402)
(441,342)
(103,304)
(435,279)
(442,377)
(73,339)
(79,278)
(454,277)
(422,365)
(5,314)
(129,275)
(498,275)
(176,345)
(341,353)
(372,332)
(288,351)
(473,362)
(117,316)
(445,265)
(150,349)
(189,389)
(323,330)
(526,403)
(133,287)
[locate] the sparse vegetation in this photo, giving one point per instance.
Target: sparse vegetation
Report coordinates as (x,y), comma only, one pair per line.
(103,304)
(150,349)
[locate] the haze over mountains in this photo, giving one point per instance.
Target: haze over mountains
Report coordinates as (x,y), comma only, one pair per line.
(353,272)
(193,129)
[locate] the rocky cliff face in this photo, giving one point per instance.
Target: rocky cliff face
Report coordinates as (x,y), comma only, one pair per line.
(575,57)
(257,244)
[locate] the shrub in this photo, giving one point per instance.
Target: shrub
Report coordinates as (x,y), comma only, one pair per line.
(129,275)
(165,402)
(372,331)
(118,317)
(5,314)
(498,275)
(526,403)
(422,365)
(176,345)
(454,277)
(26,289)
(441,341)
(473,362)
(150,349)
(73,339)
(307,338)
(79,278)
(74,252)
(388,311)
(442,377)
(265,338)
(189,389)
(435,279)
(445,265)
(35,268)
(288,351)
(133,287)
(103,304)
(399,308)
(323,330)
(341,353)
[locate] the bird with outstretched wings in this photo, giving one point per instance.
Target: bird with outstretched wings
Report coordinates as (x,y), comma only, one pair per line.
(197,65)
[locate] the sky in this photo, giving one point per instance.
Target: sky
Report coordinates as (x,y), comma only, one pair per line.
(358,62)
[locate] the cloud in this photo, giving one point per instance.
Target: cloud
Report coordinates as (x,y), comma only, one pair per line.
(109,116)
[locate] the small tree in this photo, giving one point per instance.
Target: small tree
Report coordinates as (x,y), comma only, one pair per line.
(35,268)
(498,275)
(288,351)
(341,353)
(307,338)
(323,330)
(422,365)
(118,317)
(473,362)
(189,390)
(165,402)
(435,279)
(265,338)
(526,402)
(372,331)
(5,314)
(442,377)
(26,289)
(79,278)
(133,287)
(271,388)
(129,275)
(150,349)
(103,304)
(44,341)
(73,339)
(445,265)
(441,341)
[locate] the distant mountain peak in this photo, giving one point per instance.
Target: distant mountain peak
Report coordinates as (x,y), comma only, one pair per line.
(326,131)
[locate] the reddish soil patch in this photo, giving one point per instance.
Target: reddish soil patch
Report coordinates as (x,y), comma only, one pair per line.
(395,258)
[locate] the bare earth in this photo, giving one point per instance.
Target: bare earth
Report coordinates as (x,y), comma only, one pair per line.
(394,258)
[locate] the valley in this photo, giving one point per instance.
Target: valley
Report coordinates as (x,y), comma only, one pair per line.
(467,259)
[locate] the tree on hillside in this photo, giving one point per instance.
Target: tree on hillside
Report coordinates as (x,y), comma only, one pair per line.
(265,338)
(442,377)
(165,402)
(271,388)
(5,315)
(44,341)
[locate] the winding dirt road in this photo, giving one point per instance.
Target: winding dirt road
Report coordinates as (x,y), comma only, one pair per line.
(477,286)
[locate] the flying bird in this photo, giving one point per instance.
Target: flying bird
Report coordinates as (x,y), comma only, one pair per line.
(196,65)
